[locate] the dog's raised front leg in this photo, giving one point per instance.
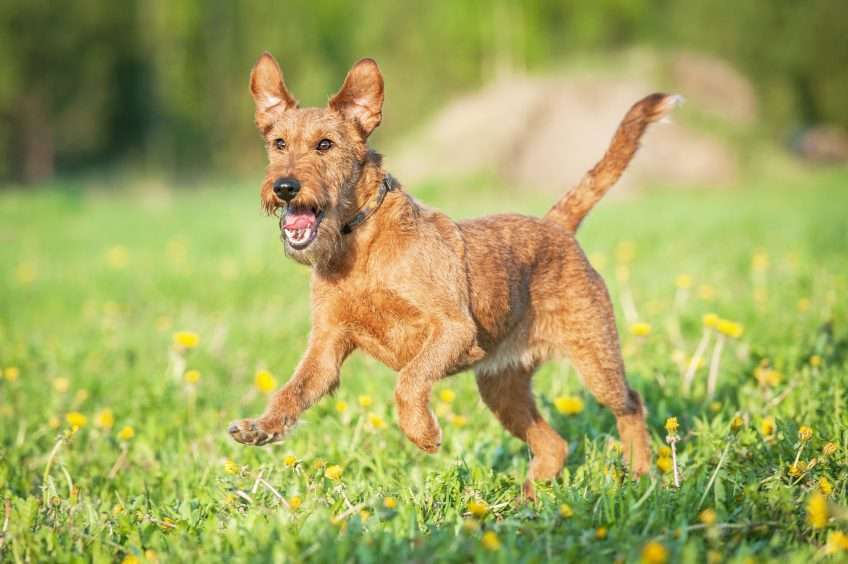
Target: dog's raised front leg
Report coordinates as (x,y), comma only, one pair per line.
(316,375)
(448,341)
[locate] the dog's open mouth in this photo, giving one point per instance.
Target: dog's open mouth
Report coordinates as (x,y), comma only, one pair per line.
(300,226)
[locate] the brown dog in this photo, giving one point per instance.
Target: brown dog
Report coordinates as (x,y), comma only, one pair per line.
(430,297)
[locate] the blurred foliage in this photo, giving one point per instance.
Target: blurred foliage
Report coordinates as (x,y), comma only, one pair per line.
(162,85)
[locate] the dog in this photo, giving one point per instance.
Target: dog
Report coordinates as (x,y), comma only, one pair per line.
(430,297)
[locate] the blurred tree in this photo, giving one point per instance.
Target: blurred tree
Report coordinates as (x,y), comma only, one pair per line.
(162,85)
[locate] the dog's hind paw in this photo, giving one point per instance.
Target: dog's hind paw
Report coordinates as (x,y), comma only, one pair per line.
(254,432)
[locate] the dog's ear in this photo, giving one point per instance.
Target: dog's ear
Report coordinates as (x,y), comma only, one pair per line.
(361,96)
(268,89)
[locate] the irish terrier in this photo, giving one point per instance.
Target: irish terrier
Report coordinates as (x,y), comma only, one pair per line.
(428,296)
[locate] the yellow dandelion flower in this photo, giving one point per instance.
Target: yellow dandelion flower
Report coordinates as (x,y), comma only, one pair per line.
(829,449)
(289,460)
(805,433)
(737,423)
(76,419)
(654,553)
(389,503)
(671,425)
(265,382)
(470,525)
(365,401)
(61,385)
(11,373)
(768,426)
(815,361)
(825,486)
(231,467)
(565,511)
(601,533)
(706,292)
(664,451)
(730,328)
(191,376)
(640,329)
(817,513)
(759,261)
(130,559)
(443,409)
(447,395)
(117,257)
(341,406)
(478,507)
(25,273)
(837,541)
(319,463)
(185,340)
(568,405)
(665,464)
(126,433)
(683,281)
(797,468)
(459,421)
(625,251)
(707,516)
(53,422)
(773,377)
(711,320)
(333,472)
(295,502)
(490,541)
(105,419)
(376,421)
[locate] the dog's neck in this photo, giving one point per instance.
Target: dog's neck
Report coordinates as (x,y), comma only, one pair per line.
(392,213)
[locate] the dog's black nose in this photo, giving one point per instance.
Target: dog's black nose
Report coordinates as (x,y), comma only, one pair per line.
(286,188)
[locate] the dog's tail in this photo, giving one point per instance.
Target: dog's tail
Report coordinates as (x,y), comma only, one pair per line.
(574,206)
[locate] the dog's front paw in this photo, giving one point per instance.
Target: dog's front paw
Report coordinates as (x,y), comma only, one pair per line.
(422,429)
(257,432)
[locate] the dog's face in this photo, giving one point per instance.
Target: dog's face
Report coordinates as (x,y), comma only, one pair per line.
(315,155)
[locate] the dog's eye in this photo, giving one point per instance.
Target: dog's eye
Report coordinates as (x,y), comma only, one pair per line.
(279,144)
(324,145)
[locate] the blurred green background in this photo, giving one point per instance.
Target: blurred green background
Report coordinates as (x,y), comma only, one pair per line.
(158,87)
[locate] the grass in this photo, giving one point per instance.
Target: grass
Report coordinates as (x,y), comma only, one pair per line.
(93,287)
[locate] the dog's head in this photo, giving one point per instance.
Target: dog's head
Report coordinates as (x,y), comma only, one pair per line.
(315,155)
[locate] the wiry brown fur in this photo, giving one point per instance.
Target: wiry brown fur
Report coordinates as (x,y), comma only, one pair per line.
(430,297)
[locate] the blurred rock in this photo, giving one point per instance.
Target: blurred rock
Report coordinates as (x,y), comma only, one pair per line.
(822,144)
(715,87)
(546,132)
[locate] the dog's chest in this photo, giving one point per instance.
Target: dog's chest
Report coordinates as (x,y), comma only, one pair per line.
(383,325)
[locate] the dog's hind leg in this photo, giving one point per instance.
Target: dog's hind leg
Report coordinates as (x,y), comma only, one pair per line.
(509,395)
(591,342)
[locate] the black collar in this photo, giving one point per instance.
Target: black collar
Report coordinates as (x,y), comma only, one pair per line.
(368,209)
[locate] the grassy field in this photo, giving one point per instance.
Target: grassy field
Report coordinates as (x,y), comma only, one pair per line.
(94,286)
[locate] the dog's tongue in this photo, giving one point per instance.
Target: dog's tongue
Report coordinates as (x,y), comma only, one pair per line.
(299,219)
